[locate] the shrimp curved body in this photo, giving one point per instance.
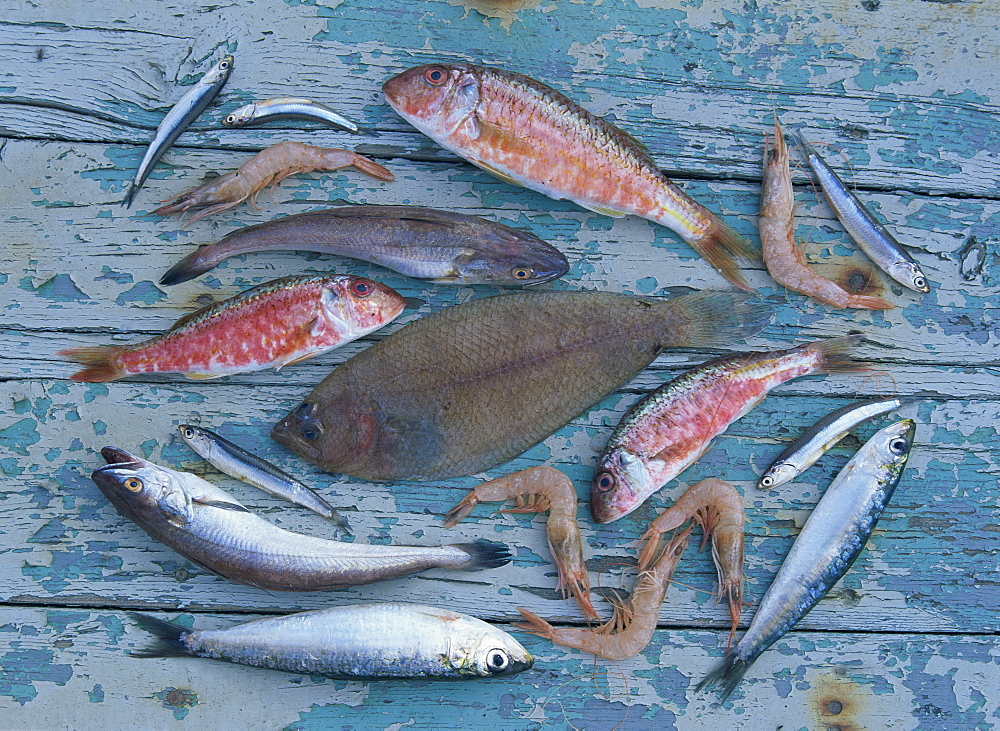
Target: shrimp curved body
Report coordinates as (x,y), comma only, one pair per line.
(631,626)
(538,489)
(268,167)
(782,256)
(718,509)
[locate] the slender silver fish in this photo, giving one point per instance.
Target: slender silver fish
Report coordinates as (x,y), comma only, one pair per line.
(874,238)
(253,470)
(821,436)
(207,526)
(365,641)
(288,107)
(830,541)
(178,118)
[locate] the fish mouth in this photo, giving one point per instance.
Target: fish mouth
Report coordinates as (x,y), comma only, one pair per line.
(116,457)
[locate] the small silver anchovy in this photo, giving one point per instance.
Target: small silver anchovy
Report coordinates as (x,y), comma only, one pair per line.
(821,436)
(287,107)
(828,544)
(361,641)
(178,118)
(874,238)
(253,470)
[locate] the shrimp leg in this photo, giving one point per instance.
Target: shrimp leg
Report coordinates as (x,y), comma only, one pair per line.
(631,626)
(782,256)
(268,167)
(718,509)
(538,489)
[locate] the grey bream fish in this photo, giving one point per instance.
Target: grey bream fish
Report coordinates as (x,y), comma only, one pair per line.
(178,118)
(253,470)
(288,107)
(828,544)
(821,436)
(206,525)
(362,641)
(874,238)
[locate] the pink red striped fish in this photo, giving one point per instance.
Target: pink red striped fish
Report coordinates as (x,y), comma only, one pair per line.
(269,326)
(669,429)
(529,134)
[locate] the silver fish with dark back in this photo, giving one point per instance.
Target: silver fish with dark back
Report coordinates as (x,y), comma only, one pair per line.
(253,470)
(874,238)
(183,113)
(363,641)
(207,526)
(443,247)
(288,107)
(804,452)
(828,544)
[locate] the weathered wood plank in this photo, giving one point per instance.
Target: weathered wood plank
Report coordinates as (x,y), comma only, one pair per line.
(809,680)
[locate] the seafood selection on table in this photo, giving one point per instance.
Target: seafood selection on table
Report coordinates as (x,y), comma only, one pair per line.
(474,385)
(363,641)
(425,243)
(272,325)
(207,525)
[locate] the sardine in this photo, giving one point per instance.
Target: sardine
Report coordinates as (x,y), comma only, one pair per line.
(288,107)
(269,326)
(873,238)
(668,430)
(476,384)
(447,248)
(821,436)
(183,113)
(363,641)
(527,133)
(237,462)
(207,526)
(828,544)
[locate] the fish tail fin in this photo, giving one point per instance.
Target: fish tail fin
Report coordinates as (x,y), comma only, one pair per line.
(100,362)
(837,355)
(168,638)
(130,195)
(187,268)
(710,319)
(722,247)
(484,555)
(729,673)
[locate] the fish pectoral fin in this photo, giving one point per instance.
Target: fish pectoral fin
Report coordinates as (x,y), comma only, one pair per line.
(297,342)
(500,174)
(602,210)
(221,504)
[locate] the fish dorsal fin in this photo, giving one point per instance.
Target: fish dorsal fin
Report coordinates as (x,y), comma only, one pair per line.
(186,319)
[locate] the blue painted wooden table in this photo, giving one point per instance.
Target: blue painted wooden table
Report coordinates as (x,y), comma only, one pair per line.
(904,92)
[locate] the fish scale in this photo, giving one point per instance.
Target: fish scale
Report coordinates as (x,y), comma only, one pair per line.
(668,430)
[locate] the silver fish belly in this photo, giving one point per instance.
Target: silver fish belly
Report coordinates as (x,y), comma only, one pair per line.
(183,113)
(287,107)
(874,238)
(821,436)
(828,544)
(207,526)
(237,462)
(365,641)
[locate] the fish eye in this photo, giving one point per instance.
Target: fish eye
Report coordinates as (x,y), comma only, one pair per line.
(305,408)
(898,446)
(133,484)
(435,76)
(224,65)
(310,434)
(605,481)
(767,481)
(361,288)
(187,432)
(521,272)
(497,661)
(919,282)
(230,119)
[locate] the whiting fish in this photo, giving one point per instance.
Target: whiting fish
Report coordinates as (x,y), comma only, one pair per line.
(207,526)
